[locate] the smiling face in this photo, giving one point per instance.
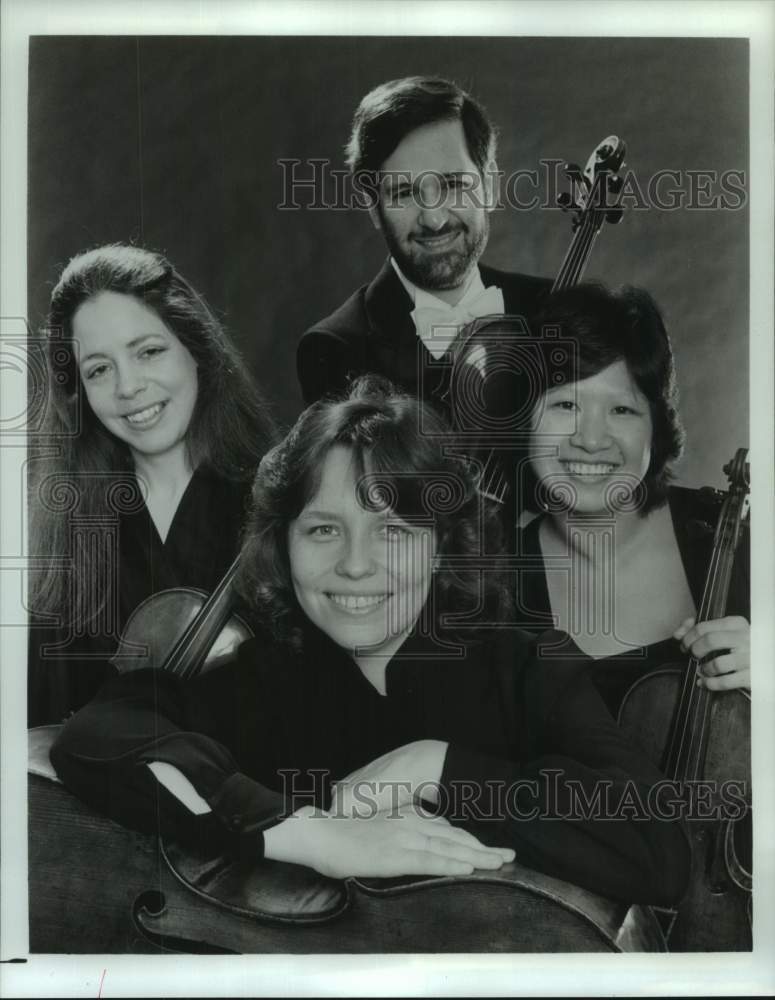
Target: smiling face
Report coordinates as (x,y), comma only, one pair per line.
(361,576)
(434,205)
(591,440)
(140,381)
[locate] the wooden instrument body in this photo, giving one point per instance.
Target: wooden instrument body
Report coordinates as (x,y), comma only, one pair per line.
(97,887)
(715,914)
(156,626)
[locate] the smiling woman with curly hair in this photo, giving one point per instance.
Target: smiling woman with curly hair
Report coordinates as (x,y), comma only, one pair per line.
(375,691)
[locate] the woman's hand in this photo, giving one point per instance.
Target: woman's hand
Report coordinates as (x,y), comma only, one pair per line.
(730,637)
(397,778)
(401,842)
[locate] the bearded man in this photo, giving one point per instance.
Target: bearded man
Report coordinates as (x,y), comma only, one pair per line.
(423,151)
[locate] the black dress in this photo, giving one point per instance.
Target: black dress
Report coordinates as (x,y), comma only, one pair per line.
(67,667)
(694,515)
(529,744)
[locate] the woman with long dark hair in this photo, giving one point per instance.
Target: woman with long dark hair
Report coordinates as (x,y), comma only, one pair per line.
(154,429)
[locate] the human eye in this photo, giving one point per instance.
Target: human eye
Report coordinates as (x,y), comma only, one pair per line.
(402,194)
(95,372)
(152,350)
(624,410)
(322,532)
(562,404)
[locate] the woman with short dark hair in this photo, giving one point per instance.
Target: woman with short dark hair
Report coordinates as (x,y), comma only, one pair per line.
(621,557)
(376,686)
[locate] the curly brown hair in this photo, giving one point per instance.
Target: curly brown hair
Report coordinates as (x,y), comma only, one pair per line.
(404,461)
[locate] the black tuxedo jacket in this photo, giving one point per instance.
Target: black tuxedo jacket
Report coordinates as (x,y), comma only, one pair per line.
(373,332)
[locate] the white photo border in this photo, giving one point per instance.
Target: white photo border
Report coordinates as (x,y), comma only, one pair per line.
(397,975)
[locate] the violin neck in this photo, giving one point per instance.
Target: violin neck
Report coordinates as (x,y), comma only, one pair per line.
(190,651)
(686,755)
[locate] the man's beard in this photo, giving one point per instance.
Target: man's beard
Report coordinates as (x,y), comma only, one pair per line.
(437,272)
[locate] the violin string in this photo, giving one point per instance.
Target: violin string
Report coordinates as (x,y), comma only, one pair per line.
(693,697)
(695,704)
(717,603)
(180,661)
(576,255)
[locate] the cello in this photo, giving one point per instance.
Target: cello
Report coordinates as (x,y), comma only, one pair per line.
(161,897)
(697,737)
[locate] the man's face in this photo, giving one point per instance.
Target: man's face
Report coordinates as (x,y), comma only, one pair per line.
(434,205)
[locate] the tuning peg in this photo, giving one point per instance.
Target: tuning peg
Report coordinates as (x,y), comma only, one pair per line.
(615,184)
(572,170)
(564,200)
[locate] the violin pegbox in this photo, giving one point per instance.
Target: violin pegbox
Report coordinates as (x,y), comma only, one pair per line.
(595,190)
(738,473)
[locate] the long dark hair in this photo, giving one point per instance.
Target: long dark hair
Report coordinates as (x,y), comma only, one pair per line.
(86,465)
(400,462)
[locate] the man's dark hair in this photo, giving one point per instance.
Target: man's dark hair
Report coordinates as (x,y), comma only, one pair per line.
(394,109)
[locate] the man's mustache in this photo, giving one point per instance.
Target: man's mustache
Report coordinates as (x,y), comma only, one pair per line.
(445,230)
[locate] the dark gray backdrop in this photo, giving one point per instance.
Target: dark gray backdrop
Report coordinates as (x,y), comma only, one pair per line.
(176,142)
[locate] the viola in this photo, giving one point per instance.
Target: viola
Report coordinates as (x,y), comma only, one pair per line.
(490,389)
(183,631)
(695,735)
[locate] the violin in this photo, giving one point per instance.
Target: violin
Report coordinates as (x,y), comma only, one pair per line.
(183,631)
(696,735)
(496,366)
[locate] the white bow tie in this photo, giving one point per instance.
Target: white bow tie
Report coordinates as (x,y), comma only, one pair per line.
(438,327)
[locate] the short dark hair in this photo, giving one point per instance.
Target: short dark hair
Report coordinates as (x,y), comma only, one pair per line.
(607,326)
(401,464)
(394,109)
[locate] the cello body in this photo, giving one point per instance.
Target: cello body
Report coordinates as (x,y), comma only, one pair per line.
(159,898)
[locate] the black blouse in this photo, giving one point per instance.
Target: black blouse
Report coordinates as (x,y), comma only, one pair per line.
(694,514)
(259,738)
(201,544)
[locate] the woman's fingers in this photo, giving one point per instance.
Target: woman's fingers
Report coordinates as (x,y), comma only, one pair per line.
(716,631)
(478,857)
(726,682)
(457,835)
(716,642)
(427,863)
(684,627)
